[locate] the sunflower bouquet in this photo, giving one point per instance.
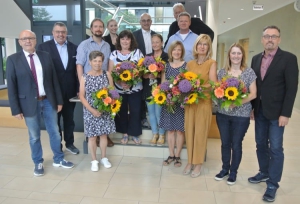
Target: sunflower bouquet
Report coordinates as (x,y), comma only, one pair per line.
(229,91)
(107,100)
(152,65)
(127,72)
(165,94)
(190,86)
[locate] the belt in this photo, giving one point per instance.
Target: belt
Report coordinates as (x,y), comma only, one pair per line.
(41,98)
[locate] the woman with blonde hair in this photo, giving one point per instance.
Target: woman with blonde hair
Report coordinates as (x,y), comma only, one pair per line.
(234,122)
(198,116)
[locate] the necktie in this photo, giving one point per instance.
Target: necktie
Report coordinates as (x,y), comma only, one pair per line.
(33,71)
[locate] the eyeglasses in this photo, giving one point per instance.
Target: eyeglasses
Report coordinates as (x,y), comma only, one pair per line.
(25,39)
(146,21)
(60,32)
(203,44)
(273,37)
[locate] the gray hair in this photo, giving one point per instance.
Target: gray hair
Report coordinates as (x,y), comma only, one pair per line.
(178,5)
(60,24)
(184,14)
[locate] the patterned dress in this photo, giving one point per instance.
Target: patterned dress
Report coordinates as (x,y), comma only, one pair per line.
(172,121)
(96,126)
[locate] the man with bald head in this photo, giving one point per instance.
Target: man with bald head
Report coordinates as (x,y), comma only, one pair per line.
(34,93)
(143,35)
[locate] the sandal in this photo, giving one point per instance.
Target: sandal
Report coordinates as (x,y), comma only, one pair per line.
(136,140)
(124,140)
(177,162)
(168,161)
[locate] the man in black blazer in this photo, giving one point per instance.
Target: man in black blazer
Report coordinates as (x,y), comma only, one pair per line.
(197,26)
(33,94)
(63,54)
(277,82)
(143,35)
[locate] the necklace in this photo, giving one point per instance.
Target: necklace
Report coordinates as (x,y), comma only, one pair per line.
(200,62)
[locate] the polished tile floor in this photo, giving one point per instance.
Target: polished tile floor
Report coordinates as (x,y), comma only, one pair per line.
(136,180)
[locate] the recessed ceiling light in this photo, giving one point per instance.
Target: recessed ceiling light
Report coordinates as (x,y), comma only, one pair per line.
(228,18)
(242,9)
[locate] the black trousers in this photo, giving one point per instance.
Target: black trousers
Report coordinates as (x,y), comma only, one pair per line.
(130,123)
(67,114)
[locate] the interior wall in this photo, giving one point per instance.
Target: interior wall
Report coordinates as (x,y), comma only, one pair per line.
(286,18)
(12,19)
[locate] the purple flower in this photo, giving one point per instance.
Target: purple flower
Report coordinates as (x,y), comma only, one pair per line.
(165,86)
(169,96)
(114,94)
(184,86)
(126,65)
(232,82)
(149,60)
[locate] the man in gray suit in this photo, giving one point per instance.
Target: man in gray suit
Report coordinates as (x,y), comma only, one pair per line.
(34,93)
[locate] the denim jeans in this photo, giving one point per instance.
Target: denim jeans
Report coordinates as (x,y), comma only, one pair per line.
(269,148)
(232,130)
(45,111)
(154,111)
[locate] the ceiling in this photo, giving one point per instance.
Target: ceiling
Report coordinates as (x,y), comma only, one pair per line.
(232,9)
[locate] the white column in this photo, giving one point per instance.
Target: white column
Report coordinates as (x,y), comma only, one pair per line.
(212,20)
(10,46)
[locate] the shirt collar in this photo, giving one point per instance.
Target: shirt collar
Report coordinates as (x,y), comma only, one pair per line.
(56,43)
(272,54)
(146,32)
(27,53)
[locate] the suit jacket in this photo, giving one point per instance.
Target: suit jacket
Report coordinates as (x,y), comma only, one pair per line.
(138,34)
(22,90)
(278,89)
(197,26)
(67,78)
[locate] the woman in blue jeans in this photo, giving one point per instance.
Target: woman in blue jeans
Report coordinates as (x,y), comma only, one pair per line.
(233,123)
(154,110)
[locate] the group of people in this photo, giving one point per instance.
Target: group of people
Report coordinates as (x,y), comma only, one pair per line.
(34,93)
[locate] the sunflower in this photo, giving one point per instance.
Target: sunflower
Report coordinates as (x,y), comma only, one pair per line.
(102,93)
(190,75)
(160,98)
(192,98)
(231,93)
(125,76)
(115,107)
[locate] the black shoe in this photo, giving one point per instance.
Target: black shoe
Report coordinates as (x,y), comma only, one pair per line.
(220,176)
(260,177)
(72,149)
(270,194)
(232,178)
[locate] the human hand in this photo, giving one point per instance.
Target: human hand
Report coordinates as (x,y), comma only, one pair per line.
(283,121)
(252,115)
(19,116)
(95,112)
(151,76)
(59,107)
(125,85)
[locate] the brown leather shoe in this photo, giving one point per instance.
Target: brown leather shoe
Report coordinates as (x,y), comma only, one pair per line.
(109,142)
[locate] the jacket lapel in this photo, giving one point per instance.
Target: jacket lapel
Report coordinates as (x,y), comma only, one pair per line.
(26,65)
(54,51)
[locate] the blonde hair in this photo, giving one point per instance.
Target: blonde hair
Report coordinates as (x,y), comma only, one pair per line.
(172,47)
(200,39)
(243,62)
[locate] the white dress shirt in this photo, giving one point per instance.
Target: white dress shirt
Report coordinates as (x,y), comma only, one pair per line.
(147,40)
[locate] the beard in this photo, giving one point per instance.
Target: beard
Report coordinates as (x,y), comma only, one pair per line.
(97,35)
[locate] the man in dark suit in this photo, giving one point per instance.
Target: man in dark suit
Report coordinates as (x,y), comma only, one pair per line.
(197,26)
(277,82)
(63,54)
(143,38)
(143,35)
(34,93)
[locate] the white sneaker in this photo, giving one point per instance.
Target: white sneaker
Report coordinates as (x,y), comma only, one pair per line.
(95,166)
(105,163)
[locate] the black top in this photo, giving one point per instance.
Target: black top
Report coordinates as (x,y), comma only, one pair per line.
(197,26)
(146,88)
(107,39)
